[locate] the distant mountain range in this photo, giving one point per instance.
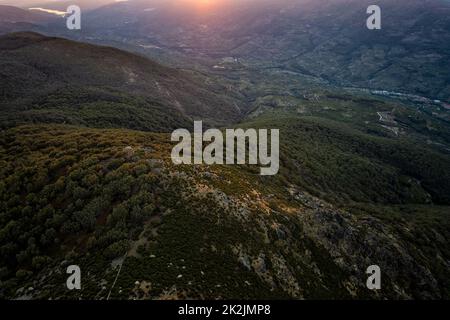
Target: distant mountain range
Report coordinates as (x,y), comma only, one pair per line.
(16,19)
(326,39)
(59,5)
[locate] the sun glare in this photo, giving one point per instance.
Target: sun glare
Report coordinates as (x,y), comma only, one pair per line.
(202,5)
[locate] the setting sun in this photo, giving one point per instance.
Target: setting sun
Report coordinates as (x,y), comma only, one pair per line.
(202,5)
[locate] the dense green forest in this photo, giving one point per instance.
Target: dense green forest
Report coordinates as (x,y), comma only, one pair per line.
(54,80)
(90,196)
(341,164)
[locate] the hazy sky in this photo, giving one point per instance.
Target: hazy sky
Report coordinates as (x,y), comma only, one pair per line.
(23,3)
(28,3)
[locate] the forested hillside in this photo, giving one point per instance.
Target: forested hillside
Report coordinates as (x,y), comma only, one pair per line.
(105,198)
(55,80)
(86,178)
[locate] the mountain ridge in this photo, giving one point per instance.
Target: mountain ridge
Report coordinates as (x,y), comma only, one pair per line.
(66,65)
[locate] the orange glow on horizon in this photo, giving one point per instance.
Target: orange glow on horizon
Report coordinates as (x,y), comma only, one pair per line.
(202,6)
